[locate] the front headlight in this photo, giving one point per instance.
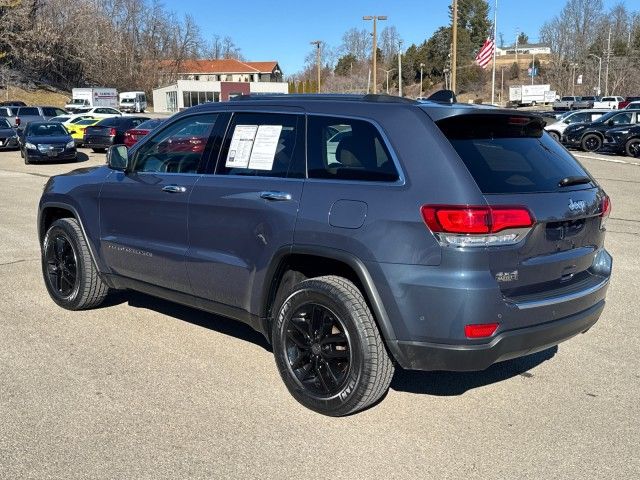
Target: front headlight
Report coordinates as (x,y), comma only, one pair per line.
(71,144)
(30,146)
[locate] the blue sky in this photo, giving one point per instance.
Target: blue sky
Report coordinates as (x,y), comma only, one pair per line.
(281,30)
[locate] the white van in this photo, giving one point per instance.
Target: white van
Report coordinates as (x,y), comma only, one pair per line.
(133,102)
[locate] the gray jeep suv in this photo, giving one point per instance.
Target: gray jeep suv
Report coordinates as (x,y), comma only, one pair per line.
(356,233)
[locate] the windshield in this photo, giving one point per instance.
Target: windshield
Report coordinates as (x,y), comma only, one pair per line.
(566,99)
(79,101)
(149,124)
(509,154)
(127,100)
(45,129)
(86,121)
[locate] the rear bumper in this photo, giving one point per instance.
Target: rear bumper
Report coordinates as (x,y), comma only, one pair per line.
(97,142)
(505,346)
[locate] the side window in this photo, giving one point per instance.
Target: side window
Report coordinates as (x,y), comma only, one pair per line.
(49,112)
(622,119)
(346,149)
(263,144)
(178,148)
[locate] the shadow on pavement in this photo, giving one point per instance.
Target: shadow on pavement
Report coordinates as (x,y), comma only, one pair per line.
(411,381)
(194,316)
(456,383)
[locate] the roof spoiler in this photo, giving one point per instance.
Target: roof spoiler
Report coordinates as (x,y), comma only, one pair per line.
(443,96)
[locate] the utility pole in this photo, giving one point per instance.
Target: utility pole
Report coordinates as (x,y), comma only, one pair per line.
(454,48)
(517,35)
(493,73)
(573,79)
(318,44)
(421,67)
(400,68)
(533,67)
(599,70)
(606,75)
(375,19)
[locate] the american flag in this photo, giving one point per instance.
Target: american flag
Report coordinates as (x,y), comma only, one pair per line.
(486,53)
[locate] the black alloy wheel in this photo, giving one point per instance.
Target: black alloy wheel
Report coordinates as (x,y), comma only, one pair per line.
(554,135)
(318,350)
(591,143)
(632,148)
(62,266)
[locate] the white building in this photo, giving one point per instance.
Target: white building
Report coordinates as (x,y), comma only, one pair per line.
(198,81)
(526,49)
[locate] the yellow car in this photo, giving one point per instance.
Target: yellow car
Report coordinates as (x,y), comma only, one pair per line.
(76,130)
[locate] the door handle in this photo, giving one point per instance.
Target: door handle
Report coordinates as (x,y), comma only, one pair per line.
(174,189)
(276,196)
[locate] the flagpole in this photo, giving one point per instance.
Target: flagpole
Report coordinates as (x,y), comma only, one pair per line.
(495,40)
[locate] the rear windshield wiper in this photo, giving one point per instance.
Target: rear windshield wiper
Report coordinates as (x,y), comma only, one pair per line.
(569,181)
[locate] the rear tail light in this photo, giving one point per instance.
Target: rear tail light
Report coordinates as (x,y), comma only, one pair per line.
(605,210)
(112,132)
(469,226)
(480,330)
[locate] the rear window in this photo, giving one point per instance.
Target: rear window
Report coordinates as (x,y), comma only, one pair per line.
(109,122)
(510,154)
(28,111)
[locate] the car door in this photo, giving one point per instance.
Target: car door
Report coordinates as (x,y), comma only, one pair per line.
(144,211)
(244,209)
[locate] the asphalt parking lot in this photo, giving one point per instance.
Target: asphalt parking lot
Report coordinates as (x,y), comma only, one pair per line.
(146,389)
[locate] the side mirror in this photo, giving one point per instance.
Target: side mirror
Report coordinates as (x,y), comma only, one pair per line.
(118,157)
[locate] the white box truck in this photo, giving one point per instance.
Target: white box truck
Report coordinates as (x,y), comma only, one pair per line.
(133,102)
(522,95)
(92,97)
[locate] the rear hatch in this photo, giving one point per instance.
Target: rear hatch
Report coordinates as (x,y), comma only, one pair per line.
(516,165)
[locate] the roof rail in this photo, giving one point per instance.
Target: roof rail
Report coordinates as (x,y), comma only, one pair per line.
(349,97)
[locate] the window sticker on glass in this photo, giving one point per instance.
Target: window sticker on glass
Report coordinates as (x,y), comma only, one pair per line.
(264,147)
(241,146)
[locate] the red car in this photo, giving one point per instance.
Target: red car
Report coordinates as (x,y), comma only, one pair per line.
(627,101)
(132,136)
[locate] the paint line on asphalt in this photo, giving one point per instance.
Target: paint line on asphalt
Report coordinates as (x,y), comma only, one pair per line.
(604,159)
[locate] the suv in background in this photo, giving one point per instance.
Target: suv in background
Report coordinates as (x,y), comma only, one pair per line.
(556,129)
(355,232)
(590,136)
(9,112)
(25,115)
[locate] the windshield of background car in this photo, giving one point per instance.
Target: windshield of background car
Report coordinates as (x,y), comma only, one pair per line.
(23,111)
(127,100)
(45,129)
(567,99)
(510,154)
(108,122)
(86,121)
(4,123)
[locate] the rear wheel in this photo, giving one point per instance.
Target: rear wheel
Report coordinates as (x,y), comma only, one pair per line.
(591,143)
(632,147)
(554,135)
(328,349)
(69,273)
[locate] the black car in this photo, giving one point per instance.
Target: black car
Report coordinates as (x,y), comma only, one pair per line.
(109,131)
(43,141)
(623,140)
(590,136)
(8,135)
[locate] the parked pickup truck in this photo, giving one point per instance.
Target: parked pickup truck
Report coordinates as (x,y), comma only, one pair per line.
(585,102)
(612,103)
(565,103)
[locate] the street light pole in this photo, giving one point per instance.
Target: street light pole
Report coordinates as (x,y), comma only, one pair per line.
(387,72)
(400,68)
(421,67)
(454,48)
(375,19)
(317,43)
(599,69)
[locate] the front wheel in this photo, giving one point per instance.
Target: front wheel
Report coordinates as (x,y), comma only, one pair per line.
(328,349)
(591,143)
(632,147)
(69,273)
(554,135)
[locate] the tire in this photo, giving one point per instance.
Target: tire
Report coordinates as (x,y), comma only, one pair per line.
(99,150)
(65,251)
(554,135)
(591,142)
(632,147)
(340,339)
